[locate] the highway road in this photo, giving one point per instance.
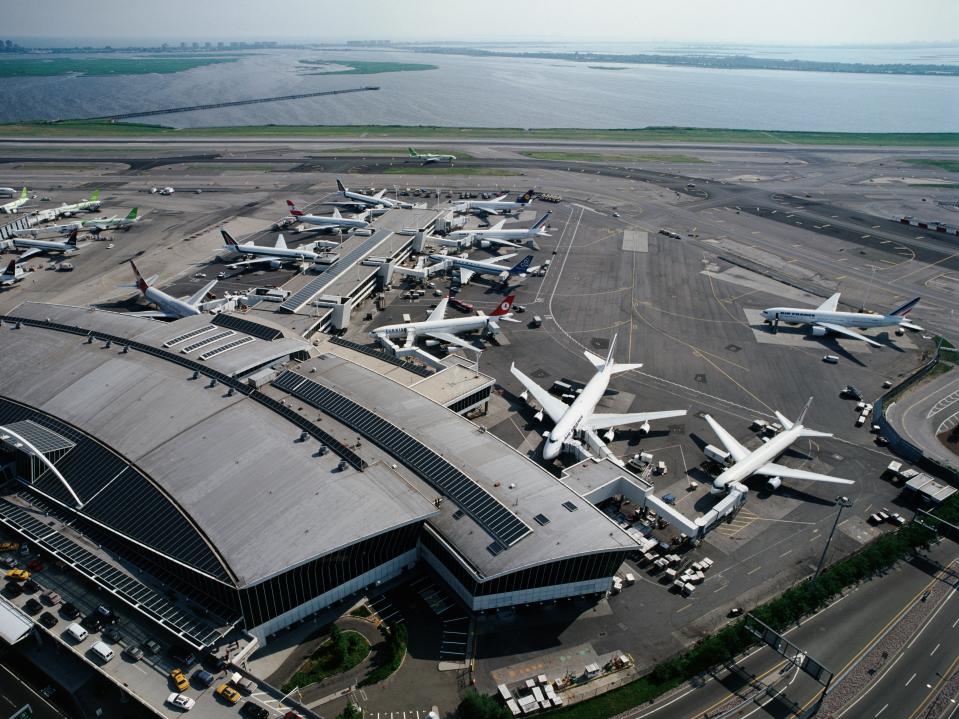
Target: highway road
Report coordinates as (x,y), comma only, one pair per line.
(837,637)
(15,694)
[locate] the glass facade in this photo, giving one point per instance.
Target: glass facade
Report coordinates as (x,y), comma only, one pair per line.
(292,588)
(472,399)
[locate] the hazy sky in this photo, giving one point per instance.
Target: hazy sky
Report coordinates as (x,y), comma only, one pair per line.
(734,21)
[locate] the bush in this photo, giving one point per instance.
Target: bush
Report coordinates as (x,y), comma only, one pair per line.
(392,654)
(481,706)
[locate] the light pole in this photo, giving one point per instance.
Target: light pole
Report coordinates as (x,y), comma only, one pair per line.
(842,503)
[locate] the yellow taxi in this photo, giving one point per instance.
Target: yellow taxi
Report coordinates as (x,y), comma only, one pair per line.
(181,682)
(228,693)
(18,575)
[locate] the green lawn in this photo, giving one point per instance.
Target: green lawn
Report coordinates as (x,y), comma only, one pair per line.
(649,134)
(327,661)
(597,157)
(32,67)
(446,170)
(366,67)
(939,164)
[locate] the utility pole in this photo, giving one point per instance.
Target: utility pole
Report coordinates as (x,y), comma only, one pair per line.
(842,503)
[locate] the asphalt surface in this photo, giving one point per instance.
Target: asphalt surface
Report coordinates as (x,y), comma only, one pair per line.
(927,411)
(15,693)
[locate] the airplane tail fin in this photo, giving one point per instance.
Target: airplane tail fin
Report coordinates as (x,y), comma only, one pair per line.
(905,309)
(412,152)
(526,197)
(504,306)
(95,196)
(339,185)
(11,268)
(521,266)
(228,238)
(132,214)
(603,365)
(541,221)
(72,239)
(293,211)
(141,283)
(23,193)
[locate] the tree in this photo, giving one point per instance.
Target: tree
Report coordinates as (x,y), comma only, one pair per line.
(351,712)
(481,706)
(338,645)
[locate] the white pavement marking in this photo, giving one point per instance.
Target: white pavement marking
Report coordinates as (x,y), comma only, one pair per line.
(935,649)
(909,681)
(881,710)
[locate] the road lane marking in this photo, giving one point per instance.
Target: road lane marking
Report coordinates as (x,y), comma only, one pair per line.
(909,681)
(935,649)
(881,710)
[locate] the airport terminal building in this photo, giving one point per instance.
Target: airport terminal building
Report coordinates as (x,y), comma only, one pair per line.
(140,454)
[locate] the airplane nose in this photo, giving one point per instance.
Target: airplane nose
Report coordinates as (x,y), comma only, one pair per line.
(551,450)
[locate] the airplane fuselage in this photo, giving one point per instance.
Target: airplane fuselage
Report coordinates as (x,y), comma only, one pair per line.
(454,325)
(373,201)
(582,406)
(322,221)
(44,245)
(843,319)
(272,252)
(49,230)
(489,268)
(502,206)
(170,305)
(759,457)
(495,234)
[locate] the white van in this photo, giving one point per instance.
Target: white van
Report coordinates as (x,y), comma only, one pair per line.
(102,651)
(77,633)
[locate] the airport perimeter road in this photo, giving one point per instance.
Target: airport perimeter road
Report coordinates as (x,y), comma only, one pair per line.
(14,694)
(926,411)
(837,637)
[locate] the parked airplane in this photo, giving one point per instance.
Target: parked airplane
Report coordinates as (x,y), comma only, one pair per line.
(7,192)
(580,418)
(334,222)
(98,225)
(90,205)
(825,319)
(361,200)
(496,206)
(428,158)
(468,268)
(496,235)
(276,256)
(439,329)
(13,273)
(759,461)
(35,247)
(49,230)
(11,207)
(170,307)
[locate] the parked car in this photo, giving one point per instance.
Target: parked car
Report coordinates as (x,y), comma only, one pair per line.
(851,392)
(69,610)
(182,655)
(254,710)
(8,560)
(106,614)
(51,597)
(133,653)
(91,622)
(33,606)
(112,635)
(228,693)
(35,565)
(48,620)
(31,586)
(181,701)
(203,677)
(179,680)
(152,646)
(13,589)
(18,575)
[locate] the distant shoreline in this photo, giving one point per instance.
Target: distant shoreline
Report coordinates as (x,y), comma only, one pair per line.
(102,129)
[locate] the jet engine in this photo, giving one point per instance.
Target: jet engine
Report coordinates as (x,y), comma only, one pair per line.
(818,331)
(774,483)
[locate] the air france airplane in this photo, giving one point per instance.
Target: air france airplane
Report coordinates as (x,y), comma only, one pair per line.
(496,206)
(468,268)
(333,222)
(377,200)
(825,319)
(496,235)
(428,158)
(760,460)
(440,329)
(276,256)
(35,247)
(580,417)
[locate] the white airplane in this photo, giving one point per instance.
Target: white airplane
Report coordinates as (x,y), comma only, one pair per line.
(496,206)
(35,247)
(428,158)
(276,256)
(759,461)
(328,222)
(580,417)
(11,207)
(7,192)
(439,329)
(13,273)
(825,319)
(170,307)
(377,200)
(90,205)
(496,235)
(49,230)
(468,268)
(166,190)
(422,271)
(98,225)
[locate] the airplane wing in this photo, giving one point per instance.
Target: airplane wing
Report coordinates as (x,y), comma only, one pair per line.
(831,304)
(197,297)
(911,326)
(380,194)
(497,226)
(27,254)
(731,444)
(450,339)
(554,407)
(465,275)
(257,260)
(501,258)
(502,243)
(439,312)
(772,469)
(840,330)
(498,199)
(154,314)
(605,421)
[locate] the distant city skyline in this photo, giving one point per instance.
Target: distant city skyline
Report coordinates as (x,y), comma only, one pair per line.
(752,22)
